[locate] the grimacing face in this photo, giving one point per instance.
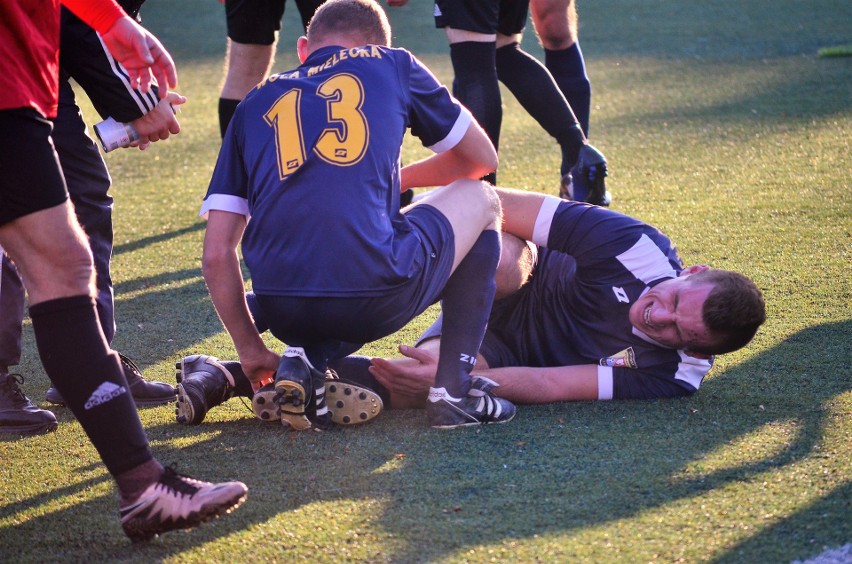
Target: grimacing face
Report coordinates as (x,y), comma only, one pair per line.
(670,314)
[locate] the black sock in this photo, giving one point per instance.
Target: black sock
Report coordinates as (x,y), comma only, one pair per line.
(355,369)
(90,378)
(569,70)
(227,107)
(475,85)
(466,304)
(535,89)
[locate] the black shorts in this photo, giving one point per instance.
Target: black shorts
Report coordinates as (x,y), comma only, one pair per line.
(30,176)
(255,22)
(310,322)
(483,16)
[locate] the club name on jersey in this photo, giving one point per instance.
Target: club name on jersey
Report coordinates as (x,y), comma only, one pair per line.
(368,51)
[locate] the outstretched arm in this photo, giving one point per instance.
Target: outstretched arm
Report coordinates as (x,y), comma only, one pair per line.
(409,378)
(222,273)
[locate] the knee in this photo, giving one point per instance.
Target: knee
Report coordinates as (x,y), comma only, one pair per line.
(493,210)
(556,29)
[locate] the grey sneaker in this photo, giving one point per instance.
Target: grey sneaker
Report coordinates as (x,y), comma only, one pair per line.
(203,383)
(177,501)
(18,415)
(145,393)
(479,407)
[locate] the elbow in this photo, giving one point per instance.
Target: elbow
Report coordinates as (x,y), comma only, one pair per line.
(212,262)
(487,165)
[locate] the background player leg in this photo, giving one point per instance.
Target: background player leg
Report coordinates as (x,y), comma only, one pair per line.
(555,24)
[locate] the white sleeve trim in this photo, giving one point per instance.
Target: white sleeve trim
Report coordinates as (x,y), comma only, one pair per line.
(541,231)
(456,133)
(605,384)
(225,202)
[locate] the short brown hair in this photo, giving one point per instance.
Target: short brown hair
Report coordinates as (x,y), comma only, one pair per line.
(362,19)
(733,311)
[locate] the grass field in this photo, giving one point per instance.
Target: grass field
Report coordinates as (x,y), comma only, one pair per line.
(723,127)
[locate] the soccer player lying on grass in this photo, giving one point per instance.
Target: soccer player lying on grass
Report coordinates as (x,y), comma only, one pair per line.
(599,306)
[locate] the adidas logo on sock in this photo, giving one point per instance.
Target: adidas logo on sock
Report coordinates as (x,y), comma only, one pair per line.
(105,392)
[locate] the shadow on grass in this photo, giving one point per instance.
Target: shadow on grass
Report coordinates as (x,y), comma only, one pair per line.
(556,468)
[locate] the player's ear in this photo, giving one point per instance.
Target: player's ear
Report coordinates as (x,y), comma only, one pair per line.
(694,269)
(302,48)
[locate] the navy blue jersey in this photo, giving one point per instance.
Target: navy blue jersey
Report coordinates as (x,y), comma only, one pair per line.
(592,264)
(312,157)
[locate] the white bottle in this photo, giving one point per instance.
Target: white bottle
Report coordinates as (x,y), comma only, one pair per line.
(113,134)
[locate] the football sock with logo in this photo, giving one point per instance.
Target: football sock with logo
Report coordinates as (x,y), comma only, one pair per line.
(227,107)
(355,368)
(89,376)
(569,70)
(475,85)
(466,304)
(536,91)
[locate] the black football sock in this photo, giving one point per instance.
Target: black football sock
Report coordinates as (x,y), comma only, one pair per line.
(355,369)
(569,70)
(475,85)
(466,304)
(227,107)
(76,357)
(536,91)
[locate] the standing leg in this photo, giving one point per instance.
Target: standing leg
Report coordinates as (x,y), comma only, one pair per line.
(88,184)
(556,25)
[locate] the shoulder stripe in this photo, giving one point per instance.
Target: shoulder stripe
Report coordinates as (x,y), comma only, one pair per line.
(646,261)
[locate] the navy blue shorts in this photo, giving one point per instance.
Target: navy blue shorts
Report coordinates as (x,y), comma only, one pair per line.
(323,323)
(30,176)
(483,16)
(255,22)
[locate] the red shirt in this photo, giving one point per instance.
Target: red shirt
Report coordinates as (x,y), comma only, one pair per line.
(29,48)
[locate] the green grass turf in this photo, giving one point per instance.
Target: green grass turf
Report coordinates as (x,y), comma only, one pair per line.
(723,128)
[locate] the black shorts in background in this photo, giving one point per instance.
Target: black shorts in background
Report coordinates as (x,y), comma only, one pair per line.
(255,22)
(483,16)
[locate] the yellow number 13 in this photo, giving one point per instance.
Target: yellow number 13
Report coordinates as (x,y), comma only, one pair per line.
(343,142)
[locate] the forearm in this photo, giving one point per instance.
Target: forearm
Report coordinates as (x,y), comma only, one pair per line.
(227,291)
(527,385)
(473,157)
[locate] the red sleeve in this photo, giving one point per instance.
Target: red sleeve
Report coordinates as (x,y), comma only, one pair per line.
(100,14)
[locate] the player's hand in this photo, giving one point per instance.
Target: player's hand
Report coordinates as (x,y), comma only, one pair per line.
(160,122)
(260,367)
(141,54)
(411,376)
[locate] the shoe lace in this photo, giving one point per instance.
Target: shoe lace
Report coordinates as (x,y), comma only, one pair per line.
(12,390)
(128,362)
(179,483)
